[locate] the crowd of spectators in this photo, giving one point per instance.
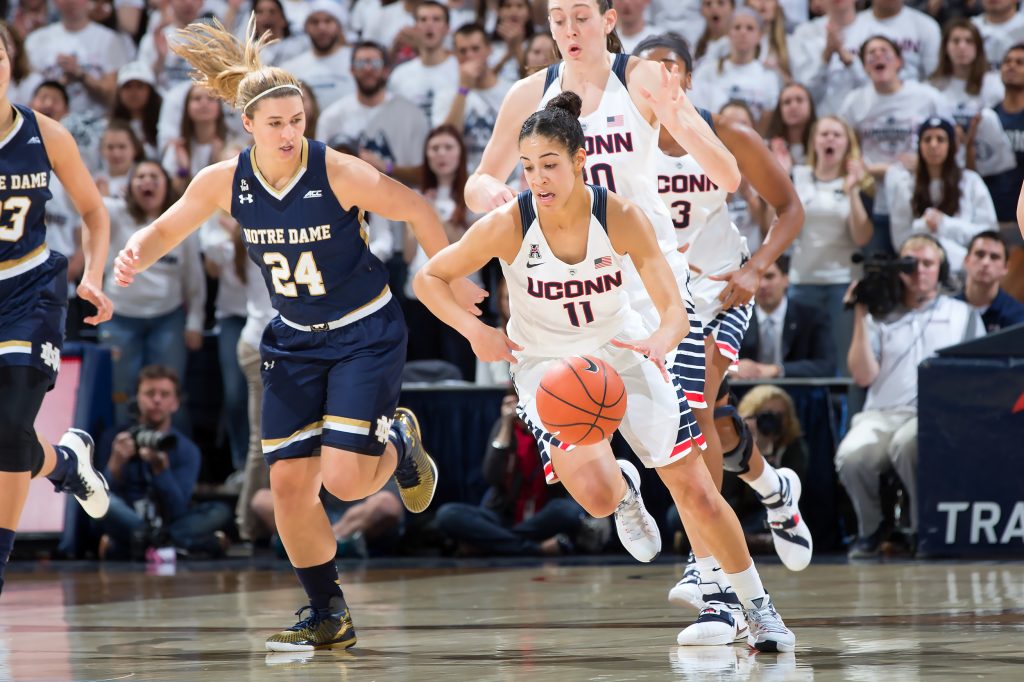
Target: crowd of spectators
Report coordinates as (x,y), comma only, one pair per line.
(894,119)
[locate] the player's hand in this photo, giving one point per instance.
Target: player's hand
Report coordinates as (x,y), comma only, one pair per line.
(468,295)
(491,345)
(650,348)
(668,98)
(740,285)
(126,264)
(92,292)
(495,193)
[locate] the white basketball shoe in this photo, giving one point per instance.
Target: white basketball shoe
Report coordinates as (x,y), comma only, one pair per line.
(637,530)
(790,533)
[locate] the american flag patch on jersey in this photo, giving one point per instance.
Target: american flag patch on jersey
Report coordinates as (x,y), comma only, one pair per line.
(602,262)
(614,121)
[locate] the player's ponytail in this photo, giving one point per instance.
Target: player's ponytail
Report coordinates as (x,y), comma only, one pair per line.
(558,120)
(230,69)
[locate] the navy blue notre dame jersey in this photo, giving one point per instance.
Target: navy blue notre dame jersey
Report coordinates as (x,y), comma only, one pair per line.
(33,280)
(313,253)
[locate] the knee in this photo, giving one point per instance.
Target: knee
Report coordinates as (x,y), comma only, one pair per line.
(343,485)
(598,497)
(702,500)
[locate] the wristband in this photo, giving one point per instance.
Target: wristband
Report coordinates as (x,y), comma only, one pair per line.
(463,91)
(389,169)
(498,445)
(182,173)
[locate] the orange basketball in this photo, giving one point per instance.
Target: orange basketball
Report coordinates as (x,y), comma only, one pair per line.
(581,400)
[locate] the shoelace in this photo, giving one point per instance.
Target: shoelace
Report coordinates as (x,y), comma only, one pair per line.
(310,621)
(766,619)
(633,518)
(406,473)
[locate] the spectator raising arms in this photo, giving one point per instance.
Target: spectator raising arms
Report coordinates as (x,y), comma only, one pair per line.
(203,136)
(510,39)
(774,49)
(939,197)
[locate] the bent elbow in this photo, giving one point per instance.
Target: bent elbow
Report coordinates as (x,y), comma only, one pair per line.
(731,177)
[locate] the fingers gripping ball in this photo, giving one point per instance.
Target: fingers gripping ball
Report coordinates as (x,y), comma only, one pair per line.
(581,400)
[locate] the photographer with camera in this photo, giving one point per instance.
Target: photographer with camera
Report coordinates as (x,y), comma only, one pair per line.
(152,471)
(908,321)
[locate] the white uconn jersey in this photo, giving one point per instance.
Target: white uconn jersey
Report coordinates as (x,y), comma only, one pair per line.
(560,309)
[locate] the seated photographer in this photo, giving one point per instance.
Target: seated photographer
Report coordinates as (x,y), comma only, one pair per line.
(785,338)
(984,268)
(520,515)
(887,346)
(152,470)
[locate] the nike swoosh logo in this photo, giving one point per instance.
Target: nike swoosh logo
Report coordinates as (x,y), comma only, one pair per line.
(591,366)
(533,265)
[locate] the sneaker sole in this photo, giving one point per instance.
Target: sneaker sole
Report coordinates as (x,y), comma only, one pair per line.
(771,646)
(285,646)
(93,478)
(415,502)
(722,640)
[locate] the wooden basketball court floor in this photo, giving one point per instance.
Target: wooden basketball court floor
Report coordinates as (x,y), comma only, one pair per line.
(508,622)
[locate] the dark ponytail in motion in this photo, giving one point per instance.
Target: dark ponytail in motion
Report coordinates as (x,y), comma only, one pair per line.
(558,120)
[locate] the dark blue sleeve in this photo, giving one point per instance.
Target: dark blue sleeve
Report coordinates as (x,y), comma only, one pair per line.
(174,486)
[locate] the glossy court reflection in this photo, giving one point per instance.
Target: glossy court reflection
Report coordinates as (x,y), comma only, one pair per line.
(474,622)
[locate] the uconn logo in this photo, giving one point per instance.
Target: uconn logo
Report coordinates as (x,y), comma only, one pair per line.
(574,288)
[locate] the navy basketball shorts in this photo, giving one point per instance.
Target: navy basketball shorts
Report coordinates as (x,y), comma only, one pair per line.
(337,388)
(33,312)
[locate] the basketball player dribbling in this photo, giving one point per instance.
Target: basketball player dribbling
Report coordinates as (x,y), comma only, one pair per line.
(34,305)
(725,276)
(562,246)
(332,359)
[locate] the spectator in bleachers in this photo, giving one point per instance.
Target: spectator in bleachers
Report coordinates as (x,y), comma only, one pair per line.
(540,52)
(1004,187)
(444,184)
(169,69)
(120,150)
(203,135)
(789,128)
(152,469)
(138,102)
(1002,27)
(162,316)
(886,115)
(311,108)
(739,76)
(939,197)
(917,35)
(785,338)
(23,80)
(685,17)
(964,79)
(82,55)
(270,16)
(435,68)
(473,107)
(747,210)
(835,191)
(631,24)
(985,267)
(774,49)
(884,356)
(28,15)
(327,65)
(510,37)
(393,25)
(713,43)
(520,514)
(825,56)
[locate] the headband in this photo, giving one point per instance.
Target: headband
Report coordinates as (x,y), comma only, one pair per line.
(296,88)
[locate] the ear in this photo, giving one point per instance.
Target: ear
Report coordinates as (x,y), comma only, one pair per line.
(247,123)
(611,17)
(688,83)
(579,160)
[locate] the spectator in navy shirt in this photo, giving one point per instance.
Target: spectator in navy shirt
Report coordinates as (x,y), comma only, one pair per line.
(152,470)
(1004,187)
(985,267)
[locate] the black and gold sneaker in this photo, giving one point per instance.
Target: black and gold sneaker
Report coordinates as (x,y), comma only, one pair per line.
(416,473)
(318,630)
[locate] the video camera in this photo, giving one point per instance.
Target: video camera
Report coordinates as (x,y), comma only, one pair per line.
(151,438)
(881,289)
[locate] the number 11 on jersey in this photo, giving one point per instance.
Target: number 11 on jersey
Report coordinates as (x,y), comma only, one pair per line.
(574,318)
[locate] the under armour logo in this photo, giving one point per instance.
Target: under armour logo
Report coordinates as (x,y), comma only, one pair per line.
(245,198)
(383,429)
(268,365)
(50,355)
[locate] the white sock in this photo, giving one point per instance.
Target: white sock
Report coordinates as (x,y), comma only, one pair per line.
(748,587)
(706,565)
(768,483)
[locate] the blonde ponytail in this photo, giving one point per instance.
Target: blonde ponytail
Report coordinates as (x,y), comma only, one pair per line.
(231,70)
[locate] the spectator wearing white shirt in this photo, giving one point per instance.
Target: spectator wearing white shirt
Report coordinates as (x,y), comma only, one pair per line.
(81,54)
(473,107)
(121,150)
(389,24)
(739,76)
(1001,26)
(774,51)
(509,39)
(939,198)
(917,34)
(137,102)
(24,81)
(631,24)
(270,16)
(825,60)
(201,141)
(886,115)
(162,315)
(326,67)
(540,53)
(435,69)
(684,17)
(713,42)
(789,128)
(155,52)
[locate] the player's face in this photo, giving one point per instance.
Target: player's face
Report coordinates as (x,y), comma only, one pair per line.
(5,71)
(157,400)
(744,35)
(203,107)
(443,155)
(881,62)
(541,52)
(550,171)
(830,142)
(277,126)
(431,26)
(961,47)
(934,146)
(794,105)
(117,151)
(669,58)
(772,288)
(324,32)
(579,28)
(149,187)
(986,262)
(925,280)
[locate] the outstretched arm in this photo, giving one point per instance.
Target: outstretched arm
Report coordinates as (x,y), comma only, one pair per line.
(1020,211)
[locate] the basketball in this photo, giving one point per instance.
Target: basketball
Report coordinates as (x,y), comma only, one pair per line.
(581,400)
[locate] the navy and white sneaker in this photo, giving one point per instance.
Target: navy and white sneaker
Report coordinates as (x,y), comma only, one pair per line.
(695,589)
(790,534)
(767,631)
(719,623)
(83,481)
